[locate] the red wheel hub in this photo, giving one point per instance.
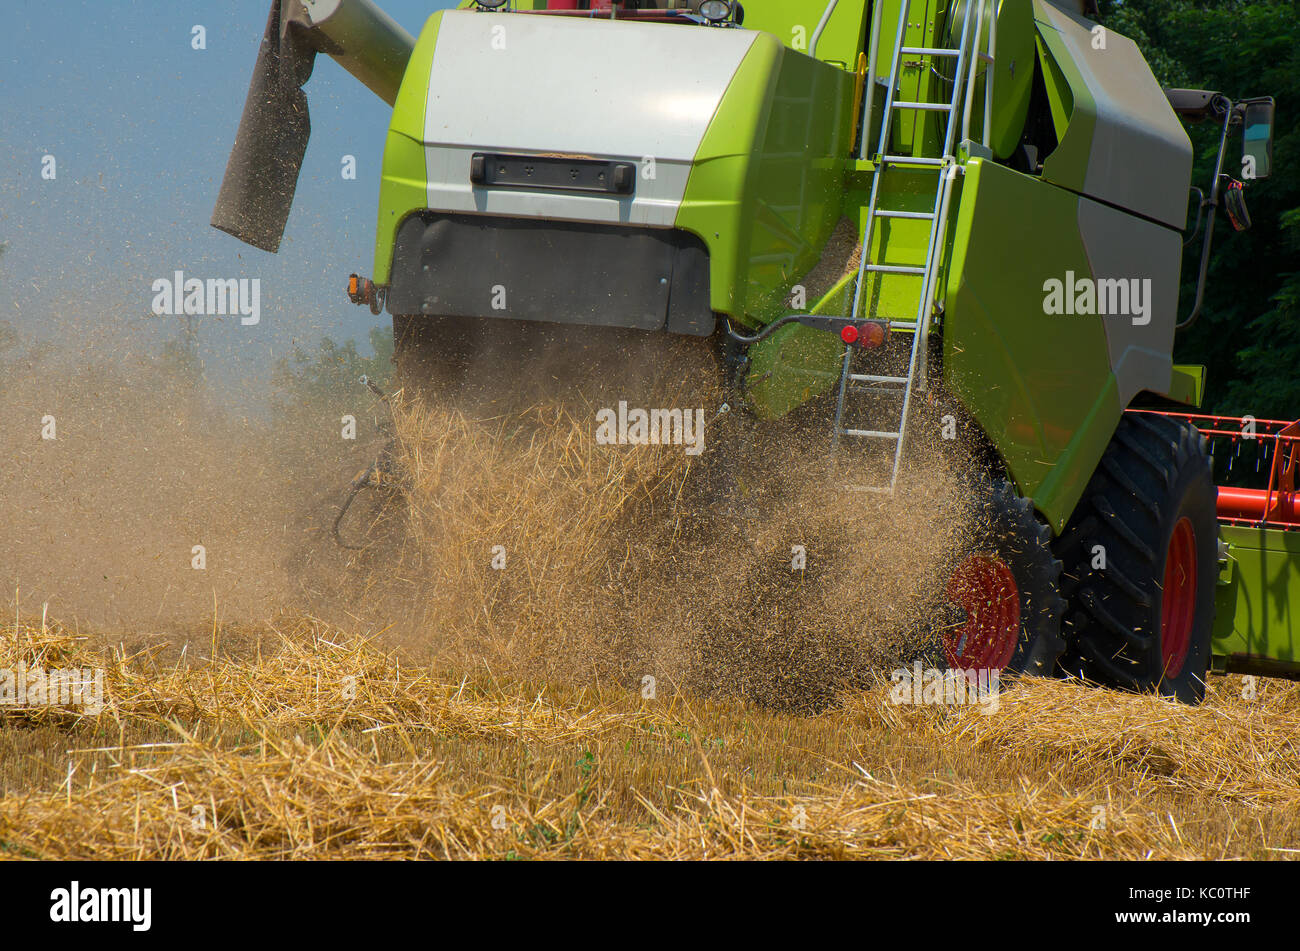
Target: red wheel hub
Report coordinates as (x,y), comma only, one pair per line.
(986,589)
(1178,605)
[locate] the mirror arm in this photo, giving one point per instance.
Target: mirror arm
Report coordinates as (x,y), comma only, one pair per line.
(1213,203)
(1200,216)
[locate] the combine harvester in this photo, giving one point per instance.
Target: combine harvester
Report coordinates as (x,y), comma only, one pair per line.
(1015,190)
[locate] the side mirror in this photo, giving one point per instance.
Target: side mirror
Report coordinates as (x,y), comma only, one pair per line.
(1234,203)
(1257,138)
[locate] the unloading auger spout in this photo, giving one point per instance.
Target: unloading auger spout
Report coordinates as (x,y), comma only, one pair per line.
(262,172)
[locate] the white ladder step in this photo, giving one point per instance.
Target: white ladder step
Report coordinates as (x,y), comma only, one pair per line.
(913,160)
(869,434)
(929,51)
(895,269)
(869,378)
(918,215)
(925,106)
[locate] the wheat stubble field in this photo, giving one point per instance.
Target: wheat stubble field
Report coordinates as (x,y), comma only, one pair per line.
(310,744)
(642,676)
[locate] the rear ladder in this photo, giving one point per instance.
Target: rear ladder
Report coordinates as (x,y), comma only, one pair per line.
(947,167)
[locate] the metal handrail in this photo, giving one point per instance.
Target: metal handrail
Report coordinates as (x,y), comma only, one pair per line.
(988,76)
(869,88)
(973,72)
(821,27)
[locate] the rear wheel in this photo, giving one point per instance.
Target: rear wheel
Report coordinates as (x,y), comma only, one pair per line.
(1005,587)
(1141,555)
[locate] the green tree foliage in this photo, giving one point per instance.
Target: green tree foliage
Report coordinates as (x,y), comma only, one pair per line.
(1248,334)
(329,377)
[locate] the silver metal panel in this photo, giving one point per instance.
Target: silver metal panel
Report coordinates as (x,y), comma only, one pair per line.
(1120,246)
(1141,157)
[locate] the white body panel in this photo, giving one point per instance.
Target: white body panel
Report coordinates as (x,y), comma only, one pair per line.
(619,91)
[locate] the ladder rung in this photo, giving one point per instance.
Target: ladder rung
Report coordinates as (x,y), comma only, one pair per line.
(869,378)
(919,215)
(868,434)
(929,51)
(911,160)
(895,269)
(925,106)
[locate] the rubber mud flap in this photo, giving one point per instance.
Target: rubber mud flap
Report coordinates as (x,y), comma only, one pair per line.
(566,272)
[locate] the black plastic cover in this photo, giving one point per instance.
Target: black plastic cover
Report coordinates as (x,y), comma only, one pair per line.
(568,272)
(549,173)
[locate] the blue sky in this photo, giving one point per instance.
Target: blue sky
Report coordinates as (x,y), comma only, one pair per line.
(140,125)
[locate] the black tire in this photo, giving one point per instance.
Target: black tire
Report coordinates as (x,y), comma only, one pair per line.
(1008,543)
(1154,478)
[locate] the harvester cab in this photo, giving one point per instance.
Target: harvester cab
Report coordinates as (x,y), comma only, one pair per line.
(851,201)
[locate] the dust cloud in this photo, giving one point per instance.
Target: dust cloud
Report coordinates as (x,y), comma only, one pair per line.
(511,539)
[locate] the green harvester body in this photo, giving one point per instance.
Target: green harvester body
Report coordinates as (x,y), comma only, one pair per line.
(754,148)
